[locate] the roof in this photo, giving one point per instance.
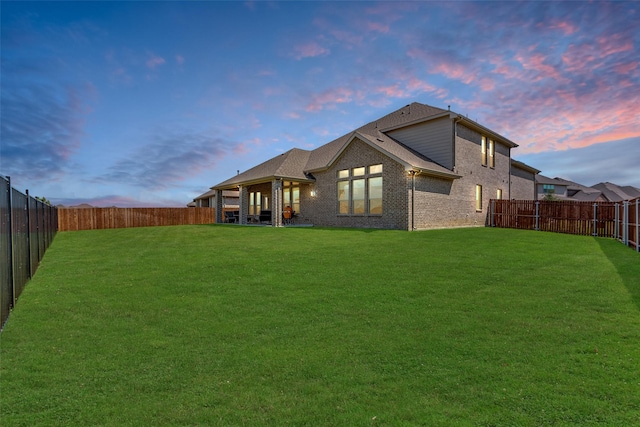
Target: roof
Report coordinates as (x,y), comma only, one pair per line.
(615,193)
(289,165)
(297,164)
(212,193)
(524,166)
(541,179)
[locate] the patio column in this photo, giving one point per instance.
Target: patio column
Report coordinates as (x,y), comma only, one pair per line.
(218,206)
(276,196)
(244,204)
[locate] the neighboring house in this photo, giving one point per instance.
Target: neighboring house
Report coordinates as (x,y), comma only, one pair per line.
(616,193)
(418,167)
(562,189)
(230,199)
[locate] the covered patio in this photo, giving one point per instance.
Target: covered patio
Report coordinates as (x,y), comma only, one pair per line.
(270,193)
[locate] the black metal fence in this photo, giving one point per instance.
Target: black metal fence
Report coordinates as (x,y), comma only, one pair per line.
(27,227)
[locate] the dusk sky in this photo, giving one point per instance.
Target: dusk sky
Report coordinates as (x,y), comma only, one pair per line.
(151,103)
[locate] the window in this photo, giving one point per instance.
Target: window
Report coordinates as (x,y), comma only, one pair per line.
(343,197)
(361,192)
(499,194)
(291,196)
(484,151)
(478,197)
(375,195)
(254,203)
(492,154)
(548,188)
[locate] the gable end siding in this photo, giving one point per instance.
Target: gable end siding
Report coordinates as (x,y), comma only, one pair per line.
(432,139)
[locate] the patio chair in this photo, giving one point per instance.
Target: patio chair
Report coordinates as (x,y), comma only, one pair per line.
(229,217)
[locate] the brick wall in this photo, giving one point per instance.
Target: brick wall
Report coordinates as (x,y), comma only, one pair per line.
(451,203)
(522,185)
(322,210)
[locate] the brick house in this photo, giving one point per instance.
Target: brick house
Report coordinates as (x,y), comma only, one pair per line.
(416,168)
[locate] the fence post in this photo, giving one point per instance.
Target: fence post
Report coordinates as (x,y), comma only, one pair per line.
(637,226)
(28,234)
(493,212)
(616,220)
(12,289)
(595,219)
(625,222)
(537,215)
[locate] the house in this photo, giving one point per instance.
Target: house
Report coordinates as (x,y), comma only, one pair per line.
(230,199)
(616,193)
(418,167)
(562,189)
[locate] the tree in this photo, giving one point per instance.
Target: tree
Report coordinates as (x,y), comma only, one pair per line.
(43,200)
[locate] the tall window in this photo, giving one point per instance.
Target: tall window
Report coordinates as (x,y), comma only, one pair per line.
(254,203)
(499,194)
(478,197)
(360,191)
(291,196)
(492,154)
(484,151)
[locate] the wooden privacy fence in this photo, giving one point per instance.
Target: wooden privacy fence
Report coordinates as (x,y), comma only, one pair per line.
(27,228)
(73,219)
(619,220)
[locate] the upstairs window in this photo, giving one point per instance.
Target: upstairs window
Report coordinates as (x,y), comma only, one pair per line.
(492,154)
(484,151)
(548,188)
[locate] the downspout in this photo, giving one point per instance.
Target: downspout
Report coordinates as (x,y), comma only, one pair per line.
(453,142)
(413,200)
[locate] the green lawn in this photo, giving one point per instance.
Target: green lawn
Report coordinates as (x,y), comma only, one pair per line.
(226,325)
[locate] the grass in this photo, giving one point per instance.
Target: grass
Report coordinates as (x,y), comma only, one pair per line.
(226,325)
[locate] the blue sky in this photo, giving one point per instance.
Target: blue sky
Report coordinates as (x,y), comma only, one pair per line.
(151,103)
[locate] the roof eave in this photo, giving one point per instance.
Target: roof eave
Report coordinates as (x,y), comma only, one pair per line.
(417,121)
(478,127)
(437,174)
(233,185)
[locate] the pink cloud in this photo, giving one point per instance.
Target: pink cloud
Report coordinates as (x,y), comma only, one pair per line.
(615,43)
(566,27)
(627,68)
(393,91)
(539,63)
(153,61)
(309,50)
(378,27)
(329,98)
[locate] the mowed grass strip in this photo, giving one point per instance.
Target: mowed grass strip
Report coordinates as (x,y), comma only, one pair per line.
(227,325)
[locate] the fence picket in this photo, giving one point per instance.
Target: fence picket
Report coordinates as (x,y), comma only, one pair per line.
(73,219)
(603,219)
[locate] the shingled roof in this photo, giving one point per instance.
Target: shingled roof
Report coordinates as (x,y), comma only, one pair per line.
(297,164)
(289,165)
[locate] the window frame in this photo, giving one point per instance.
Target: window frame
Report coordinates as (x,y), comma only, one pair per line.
(359,176)
(483,150)
(478,198)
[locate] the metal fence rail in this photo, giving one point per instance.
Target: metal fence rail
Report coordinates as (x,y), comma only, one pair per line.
(604,219)
(27,227)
